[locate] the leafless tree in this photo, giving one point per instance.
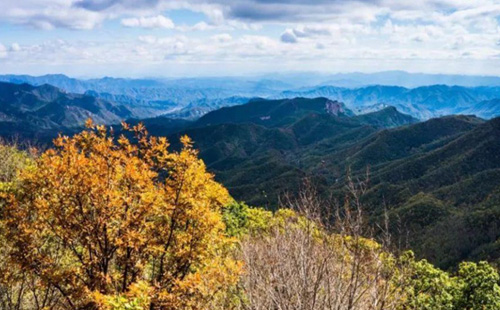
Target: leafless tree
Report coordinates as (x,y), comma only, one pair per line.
(307,264)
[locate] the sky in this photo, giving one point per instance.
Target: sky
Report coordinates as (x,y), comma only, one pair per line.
(174,38)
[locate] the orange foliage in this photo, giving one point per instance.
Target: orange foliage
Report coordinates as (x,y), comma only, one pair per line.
(95,216)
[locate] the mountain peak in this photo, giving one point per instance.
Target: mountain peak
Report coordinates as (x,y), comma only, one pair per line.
(274,112)
(386,118)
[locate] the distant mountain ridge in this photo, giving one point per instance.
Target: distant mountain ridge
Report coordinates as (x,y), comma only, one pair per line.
(201,107)
(422,102)
(421,95)
(409,80)
(24,107)
(485,109)
(153,97)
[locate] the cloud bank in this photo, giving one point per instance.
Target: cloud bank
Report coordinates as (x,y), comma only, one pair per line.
(324,34)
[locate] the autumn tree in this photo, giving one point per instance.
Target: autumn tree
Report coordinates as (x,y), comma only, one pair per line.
(96,217)
(19,289)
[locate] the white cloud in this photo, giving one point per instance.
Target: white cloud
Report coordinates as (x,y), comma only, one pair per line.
(49,14)
(222,38)
(3,51)
(88,14)
(148,39)
(294,32)
(15,47)
(159,21)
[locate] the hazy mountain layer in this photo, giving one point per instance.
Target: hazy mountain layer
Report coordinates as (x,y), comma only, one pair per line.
(422,102)
(421,95)
(32,109)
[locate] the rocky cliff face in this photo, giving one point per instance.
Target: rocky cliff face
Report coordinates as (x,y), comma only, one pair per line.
(334,107)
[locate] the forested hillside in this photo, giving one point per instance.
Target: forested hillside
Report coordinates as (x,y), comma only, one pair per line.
(430,175)
(40,112)
(47,107)
(99,222)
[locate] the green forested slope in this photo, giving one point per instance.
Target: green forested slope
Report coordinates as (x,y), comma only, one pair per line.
(439,179)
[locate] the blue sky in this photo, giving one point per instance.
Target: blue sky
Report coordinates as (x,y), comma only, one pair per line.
(144,38)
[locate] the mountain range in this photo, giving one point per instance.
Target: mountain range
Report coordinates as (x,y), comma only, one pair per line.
(423,102)
(191,98)
(408,80)
(35,111)
(153,97)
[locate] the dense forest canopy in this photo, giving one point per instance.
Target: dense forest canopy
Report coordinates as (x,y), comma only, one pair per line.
(99,222)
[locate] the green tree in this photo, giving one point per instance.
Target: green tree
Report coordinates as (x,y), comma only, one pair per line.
(478,285)
(235,216)
(241,220)
(426,287)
